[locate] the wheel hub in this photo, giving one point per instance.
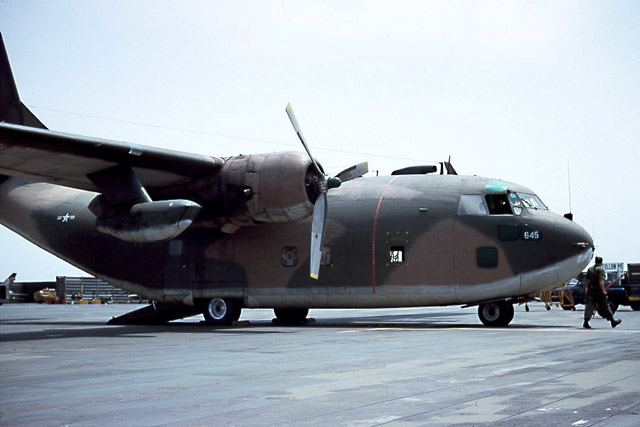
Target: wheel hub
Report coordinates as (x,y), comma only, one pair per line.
(217,308)
(491,312)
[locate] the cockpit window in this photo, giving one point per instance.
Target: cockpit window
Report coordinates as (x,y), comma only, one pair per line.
(532,201)
(508,203)
(516,203)
(498,204)
(471,204)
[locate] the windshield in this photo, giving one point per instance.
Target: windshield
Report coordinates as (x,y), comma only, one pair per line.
(532,201)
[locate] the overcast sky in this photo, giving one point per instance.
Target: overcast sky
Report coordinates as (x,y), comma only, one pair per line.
(515,90)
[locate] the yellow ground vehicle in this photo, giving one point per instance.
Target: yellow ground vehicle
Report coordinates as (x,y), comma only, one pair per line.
(46,295)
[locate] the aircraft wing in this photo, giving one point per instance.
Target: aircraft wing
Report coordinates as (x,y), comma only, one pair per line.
(66,159)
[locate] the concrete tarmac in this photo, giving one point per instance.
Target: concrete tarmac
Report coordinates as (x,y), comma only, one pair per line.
(63,366)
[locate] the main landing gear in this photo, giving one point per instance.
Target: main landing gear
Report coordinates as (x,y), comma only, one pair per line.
(221,311)
(225,311)
(499,313)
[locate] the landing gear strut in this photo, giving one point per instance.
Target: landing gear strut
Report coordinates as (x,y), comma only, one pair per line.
(498,313)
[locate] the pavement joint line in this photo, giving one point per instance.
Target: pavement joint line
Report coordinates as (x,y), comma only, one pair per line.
(451,386)
(476,399)
(521,412)
(576,394)
(613,415)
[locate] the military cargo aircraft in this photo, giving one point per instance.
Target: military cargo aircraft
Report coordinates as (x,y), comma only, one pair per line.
(198,233)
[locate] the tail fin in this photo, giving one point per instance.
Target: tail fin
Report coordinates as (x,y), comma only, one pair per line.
(9,280)
(12,110)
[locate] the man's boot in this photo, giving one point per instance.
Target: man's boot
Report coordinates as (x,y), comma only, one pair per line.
(615,322)
(587,326)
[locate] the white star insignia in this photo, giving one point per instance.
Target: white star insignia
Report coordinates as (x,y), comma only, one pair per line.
(66,217)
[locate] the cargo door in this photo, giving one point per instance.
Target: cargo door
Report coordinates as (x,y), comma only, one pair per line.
(178,269)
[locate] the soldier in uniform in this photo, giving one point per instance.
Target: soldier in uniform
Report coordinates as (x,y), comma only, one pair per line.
(597,294)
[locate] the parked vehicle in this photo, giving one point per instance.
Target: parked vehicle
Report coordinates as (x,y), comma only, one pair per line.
(633,285)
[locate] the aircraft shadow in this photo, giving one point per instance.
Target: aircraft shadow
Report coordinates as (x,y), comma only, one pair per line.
(54,330)
(66,330)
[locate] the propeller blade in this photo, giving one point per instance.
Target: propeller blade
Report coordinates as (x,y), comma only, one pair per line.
(355,171)
(323,184)
(317,234)
(296,127)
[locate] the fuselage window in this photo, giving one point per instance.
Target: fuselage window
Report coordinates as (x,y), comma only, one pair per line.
(471,204)
(487,257)
(498,204)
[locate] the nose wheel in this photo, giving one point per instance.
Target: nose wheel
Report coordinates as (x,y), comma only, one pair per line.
(498,313)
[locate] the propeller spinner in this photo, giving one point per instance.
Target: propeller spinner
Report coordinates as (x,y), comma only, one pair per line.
(320,205)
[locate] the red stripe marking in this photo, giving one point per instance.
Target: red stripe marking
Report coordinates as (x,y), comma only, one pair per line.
(615,281)
(373,237)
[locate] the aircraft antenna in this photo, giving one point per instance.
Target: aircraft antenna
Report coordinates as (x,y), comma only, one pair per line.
(569,180)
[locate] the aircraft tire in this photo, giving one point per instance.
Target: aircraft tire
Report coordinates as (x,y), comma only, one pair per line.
(221,311)
(496,313)
(291,316)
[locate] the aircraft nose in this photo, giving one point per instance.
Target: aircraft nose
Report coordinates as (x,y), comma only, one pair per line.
(572,240)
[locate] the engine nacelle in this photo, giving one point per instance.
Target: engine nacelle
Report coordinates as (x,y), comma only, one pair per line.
(273,187)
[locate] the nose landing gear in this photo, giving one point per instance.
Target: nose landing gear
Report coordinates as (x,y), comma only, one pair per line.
(498,313)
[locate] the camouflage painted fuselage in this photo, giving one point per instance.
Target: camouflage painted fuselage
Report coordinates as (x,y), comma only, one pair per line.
(390,242)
